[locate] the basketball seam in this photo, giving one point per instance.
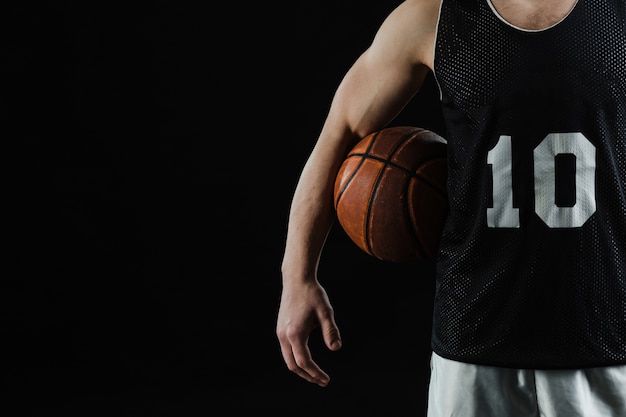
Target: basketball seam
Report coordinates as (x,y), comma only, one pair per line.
(386,163)
(412,174)
(365,155)
(366,223)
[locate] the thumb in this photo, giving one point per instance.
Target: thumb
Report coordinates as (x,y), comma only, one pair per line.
(331,334)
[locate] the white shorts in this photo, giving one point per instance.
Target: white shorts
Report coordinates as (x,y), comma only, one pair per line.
(466,390)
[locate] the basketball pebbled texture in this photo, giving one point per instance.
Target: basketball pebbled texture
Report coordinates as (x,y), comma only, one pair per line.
(390,193)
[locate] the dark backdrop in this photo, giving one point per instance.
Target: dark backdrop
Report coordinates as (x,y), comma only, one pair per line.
(158,145)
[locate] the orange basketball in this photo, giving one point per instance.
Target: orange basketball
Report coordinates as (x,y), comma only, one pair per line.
(390,193)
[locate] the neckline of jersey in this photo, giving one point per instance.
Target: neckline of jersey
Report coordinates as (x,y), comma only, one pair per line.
(505,21)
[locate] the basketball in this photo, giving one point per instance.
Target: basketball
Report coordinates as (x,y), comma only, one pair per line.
(390,193)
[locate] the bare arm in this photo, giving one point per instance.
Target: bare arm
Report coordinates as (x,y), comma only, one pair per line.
(374,90)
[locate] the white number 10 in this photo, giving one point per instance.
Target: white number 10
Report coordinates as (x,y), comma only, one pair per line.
(504,215)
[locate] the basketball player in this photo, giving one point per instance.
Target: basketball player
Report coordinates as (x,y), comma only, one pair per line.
(530,302)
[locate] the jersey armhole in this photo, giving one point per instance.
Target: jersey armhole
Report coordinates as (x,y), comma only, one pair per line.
(435,40)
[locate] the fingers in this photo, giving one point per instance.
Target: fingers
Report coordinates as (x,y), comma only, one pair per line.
(299,360)
(297,356)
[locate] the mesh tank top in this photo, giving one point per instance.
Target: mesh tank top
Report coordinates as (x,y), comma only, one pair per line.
(531,271)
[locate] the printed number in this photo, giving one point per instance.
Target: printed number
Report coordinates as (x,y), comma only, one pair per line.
(504,215)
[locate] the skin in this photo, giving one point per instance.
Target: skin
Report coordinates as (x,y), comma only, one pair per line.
(533,14)
(375,89)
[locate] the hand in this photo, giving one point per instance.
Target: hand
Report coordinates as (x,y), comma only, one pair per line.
(303,309)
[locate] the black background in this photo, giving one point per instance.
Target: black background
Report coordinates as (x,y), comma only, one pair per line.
(157,148)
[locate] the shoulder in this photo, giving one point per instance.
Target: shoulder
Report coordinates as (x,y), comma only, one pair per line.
(410,30)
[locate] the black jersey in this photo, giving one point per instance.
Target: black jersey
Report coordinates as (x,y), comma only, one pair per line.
(531,271)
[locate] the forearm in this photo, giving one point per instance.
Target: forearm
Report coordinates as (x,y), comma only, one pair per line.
(310,219)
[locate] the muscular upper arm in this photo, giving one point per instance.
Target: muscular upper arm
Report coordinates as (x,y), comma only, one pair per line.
(389,73)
